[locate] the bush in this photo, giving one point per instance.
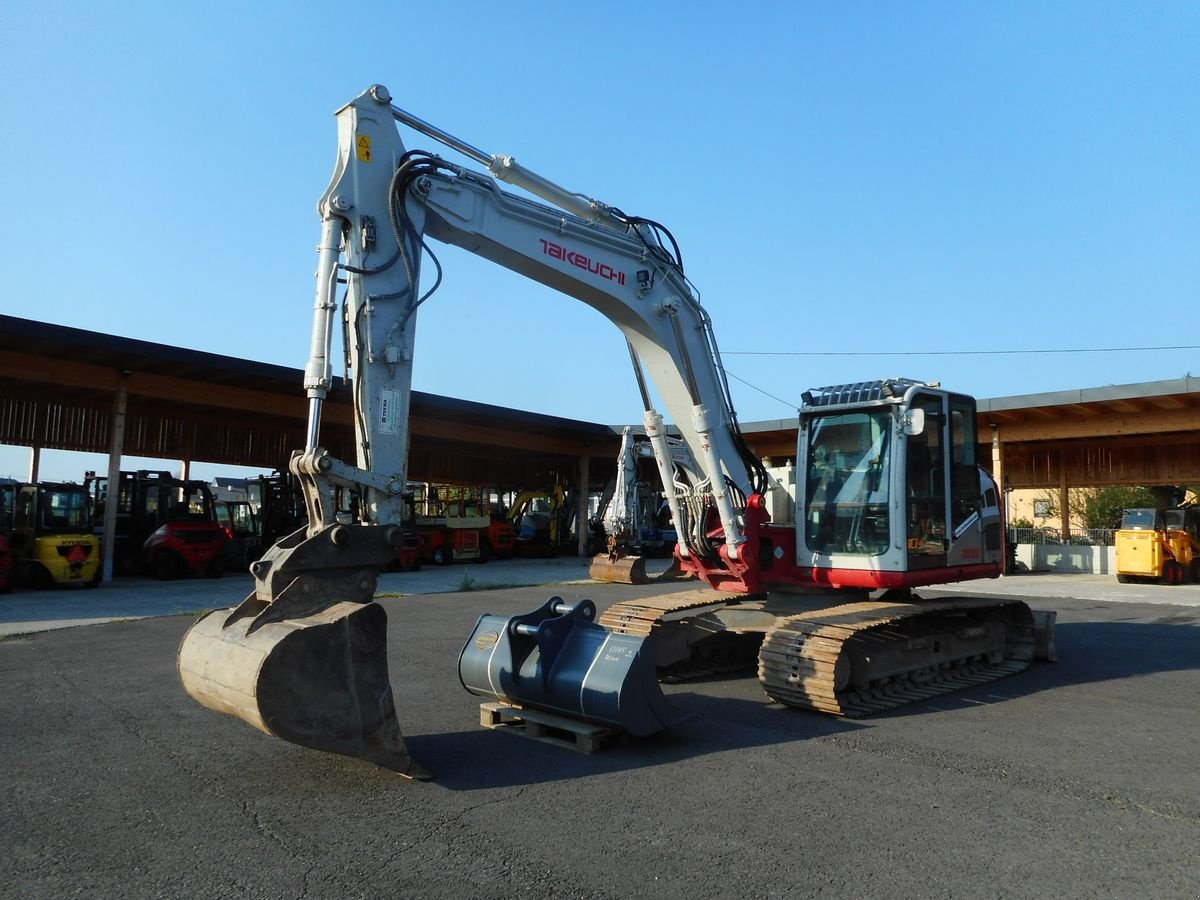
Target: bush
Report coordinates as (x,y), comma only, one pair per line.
(1103,507)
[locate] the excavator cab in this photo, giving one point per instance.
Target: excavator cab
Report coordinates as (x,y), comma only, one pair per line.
(891,494)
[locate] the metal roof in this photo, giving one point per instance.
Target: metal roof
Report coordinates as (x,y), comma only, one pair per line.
(129,354)
(1163,394)
(57,385)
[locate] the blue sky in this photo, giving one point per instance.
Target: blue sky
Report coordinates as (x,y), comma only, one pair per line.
(849,178)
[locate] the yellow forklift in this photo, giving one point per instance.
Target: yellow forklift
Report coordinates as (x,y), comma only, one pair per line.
(51,540)
(1160,545)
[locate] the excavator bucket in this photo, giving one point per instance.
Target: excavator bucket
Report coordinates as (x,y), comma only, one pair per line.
(558,660)
(619,570)
(628,569)
(320,680)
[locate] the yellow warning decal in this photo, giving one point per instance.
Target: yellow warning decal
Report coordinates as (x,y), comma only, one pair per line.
(364,148)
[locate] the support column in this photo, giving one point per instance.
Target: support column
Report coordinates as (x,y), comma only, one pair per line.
(185,470)
(1064,498)
(581,506)
(35,449)
(116,446)
(997,458)
(1004,486)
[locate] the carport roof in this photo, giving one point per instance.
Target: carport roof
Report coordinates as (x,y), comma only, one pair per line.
(1148,408)
(114,352)
(1118,398)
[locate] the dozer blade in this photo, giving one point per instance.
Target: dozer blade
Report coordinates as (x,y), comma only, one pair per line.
(320,681)
(628,570)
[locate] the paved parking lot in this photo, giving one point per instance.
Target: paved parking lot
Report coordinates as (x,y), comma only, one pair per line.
(1074,779)
(26,611)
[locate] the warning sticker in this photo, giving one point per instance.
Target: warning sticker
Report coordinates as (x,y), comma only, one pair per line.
(364,148)
(389,412)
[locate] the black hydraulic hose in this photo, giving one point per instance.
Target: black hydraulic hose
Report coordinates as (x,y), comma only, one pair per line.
(402,169)
(659,251)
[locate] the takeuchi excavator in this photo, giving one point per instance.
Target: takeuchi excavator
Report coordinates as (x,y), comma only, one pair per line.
(889,495)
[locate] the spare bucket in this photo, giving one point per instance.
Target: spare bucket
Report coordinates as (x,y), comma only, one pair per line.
(559,660)
(618,569)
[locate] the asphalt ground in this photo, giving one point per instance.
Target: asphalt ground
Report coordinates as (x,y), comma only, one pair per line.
(24,611)
(1074,779)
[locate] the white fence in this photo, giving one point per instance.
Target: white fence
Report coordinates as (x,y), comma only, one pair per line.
(1086,551)
(1089,537)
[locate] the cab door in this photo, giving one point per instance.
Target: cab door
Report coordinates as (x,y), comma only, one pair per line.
(928,539)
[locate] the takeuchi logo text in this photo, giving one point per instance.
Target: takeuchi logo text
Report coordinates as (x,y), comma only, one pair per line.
(581,261)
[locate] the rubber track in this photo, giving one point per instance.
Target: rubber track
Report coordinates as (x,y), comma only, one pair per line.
(639,617)
(642,617)
(804,657)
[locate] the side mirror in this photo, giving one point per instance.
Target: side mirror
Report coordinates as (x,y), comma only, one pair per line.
(914,422)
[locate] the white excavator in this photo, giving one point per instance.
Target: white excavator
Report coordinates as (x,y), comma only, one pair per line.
(633,519)
(888,495)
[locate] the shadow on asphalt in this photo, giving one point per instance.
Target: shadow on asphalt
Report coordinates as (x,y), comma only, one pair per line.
(729,714)
(1088,652)
(477,760)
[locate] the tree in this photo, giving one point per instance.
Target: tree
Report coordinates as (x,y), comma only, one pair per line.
(1102,507)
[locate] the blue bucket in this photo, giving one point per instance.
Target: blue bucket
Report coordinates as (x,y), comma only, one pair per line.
(559,660)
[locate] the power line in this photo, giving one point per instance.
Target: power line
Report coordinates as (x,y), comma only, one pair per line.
(949,352)
(761,391)
(928,353)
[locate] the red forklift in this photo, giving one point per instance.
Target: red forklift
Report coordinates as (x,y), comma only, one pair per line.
(165,525)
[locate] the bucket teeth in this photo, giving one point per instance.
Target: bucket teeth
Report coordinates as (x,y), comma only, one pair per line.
(320,681)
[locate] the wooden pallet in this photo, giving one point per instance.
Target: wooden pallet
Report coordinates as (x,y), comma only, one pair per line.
(582,737)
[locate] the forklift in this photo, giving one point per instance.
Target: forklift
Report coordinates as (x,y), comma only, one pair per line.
(165,525)
(1161,545)
(51,538)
